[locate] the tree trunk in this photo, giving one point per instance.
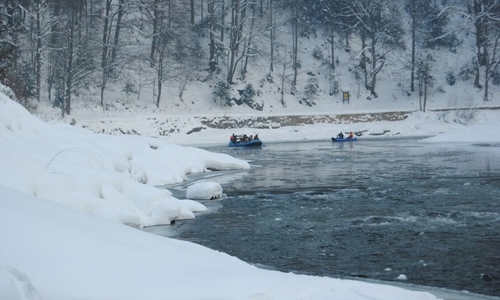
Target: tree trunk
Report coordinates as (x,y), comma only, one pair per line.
(212,23)
(156,31)
(69,71)
(295,37)
(271,33)
(38,51)
(223,19)
(476,78)
(413,30)
(159,93)
(374,70)
(425,90)
(420,94)
(485,90)
(114,51)
(332,43)
(53,54)
(248,44)
(492,63)
(477,11)
(347,45)
(233,43)
(160,78)
(363,57)
(105,46)
(283,77)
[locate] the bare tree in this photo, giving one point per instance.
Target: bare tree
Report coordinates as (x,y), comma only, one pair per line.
(248,49)
(485,16)
(375,21)
(158,18)
(332,14)
(413,9)
(78,61)
(238,11)
(118,27)
(477,12)
(424,78)
(222,5)
(112,21)
(42,29)
(212,25)
(106,32)
(427,23)
(283,62)
(237,36)
(272,33)
(295,43)
(492,52)
(175,48)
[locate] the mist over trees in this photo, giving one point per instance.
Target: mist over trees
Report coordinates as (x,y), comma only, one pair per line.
(59,49)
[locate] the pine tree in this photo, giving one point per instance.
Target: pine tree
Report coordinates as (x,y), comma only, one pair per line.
(311,89)
(248,94)
(221,91)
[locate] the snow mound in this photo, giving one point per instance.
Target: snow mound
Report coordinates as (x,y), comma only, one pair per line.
(402,277)
(207,190)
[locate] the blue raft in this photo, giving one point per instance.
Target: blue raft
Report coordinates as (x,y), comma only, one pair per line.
(347,139)
(252,144)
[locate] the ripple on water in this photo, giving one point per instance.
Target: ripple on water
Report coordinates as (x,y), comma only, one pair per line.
(374,211)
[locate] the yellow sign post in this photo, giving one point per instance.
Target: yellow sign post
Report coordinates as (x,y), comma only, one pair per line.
(345,95)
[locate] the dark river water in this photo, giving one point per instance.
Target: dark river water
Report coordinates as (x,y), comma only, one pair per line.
(377,209)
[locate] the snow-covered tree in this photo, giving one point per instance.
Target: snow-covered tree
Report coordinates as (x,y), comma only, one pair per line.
(311,88)
(485,18)
(248,93)
(427,28)
(380,33)
(221,92)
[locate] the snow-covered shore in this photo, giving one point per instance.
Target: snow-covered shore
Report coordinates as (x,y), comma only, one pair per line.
(190,130)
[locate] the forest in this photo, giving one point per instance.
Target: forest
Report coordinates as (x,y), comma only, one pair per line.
(58,49)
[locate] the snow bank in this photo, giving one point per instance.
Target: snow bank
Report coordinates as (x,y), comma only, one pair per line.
(113,177)
(479,133)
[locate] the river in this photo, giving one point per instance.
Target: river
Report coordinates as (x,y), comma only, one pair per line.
(391,210)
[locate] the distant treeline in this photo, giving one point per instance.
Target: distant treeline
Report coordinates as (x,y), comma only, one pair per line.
(59,48)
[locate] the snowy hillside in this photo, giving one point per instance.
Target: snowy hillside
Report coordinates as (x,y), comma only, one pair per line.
(138,114)
(130,80)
